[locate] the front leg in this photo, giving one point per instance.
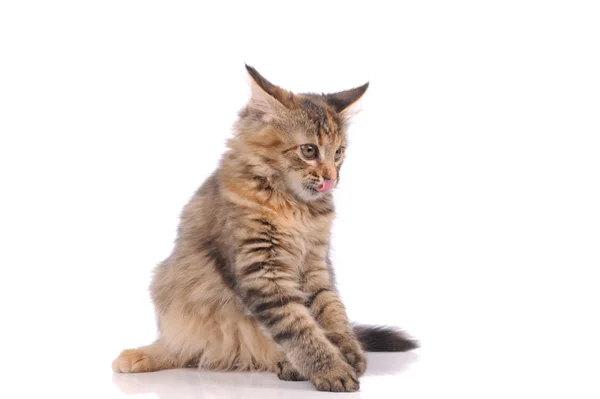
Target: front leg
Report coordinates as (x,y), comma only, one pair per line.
(330,313)
(267,283)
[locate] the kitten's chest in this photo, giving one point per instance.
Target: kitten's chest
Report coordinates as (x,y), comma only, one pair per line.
(308,232)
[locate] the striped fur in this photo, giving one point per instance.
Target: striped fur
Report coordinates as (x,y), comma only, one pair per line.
(249,285)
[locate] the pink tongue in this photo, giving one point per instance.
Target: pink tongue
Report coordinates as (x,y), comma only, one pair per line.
(326,186)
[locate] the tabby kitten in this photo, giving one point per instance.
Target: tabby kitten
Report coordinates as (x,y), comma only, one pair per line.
(249,284)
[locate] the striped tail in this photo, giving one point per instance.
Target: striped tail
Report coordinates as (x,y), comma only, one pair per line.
(383,339)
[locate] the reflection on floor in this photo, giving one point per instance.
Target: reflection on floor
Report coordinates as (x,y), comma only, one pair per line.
(171,384)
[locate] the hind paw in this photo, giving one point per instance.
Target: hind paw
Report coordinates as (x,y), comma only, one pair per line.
(287,372)
(132,361)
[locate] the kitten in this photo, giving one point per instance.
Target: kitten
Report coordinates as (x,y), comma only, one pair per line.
(249,284)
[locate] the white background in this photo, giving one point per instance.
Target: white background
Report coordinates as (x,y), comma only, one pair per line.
(469,207)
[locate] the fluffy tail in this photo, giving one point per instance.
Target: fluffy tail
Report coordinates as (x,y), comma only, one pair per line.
(383,339)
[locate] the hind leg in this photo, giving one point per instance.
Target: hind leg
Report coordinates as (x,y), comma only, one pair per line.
(146,358)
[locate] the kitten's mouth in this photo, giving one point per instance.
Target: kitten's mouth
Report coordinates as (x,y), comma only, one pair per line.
(321,188)
(326,186)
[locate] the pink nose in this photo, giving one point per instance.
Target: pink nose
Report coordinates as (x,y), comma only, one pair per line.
(327,185)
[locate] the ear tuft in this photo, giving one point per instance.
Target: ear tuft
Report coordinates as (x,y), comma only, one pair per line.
(262,87)
(343,99)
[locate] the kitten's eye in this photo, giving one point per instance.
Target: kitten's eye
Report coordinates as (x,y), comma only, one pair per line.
(309,151)
(338,154)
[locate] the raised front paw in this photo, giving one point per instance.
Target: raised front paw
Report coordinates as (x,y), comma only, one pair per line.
(351,350)
(287,372)
(339,377)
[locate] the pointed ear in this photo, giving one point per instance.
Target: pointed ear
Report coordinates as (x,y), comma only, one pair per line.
(266,96)
(343,99)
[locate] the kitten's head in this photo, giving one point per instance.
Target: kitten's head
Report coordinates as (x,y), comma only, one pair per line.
(300,137)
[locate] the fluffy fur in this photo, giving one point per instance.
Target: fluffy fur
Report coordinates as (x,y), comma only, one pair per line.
(249,285)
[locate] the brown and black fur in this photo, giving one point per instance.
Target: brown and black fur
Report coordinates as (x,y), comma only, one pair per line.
(249,284)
